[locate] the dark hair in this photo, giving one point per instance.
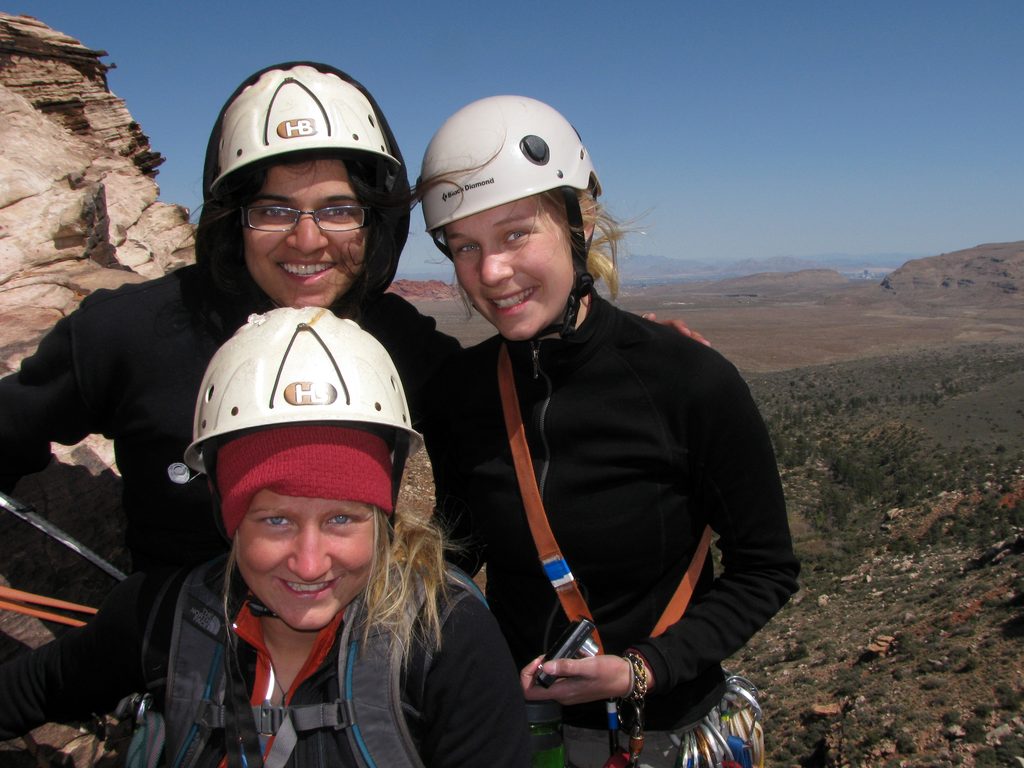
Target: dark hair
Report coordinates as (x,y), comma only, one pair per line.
(222,292)
(220,250)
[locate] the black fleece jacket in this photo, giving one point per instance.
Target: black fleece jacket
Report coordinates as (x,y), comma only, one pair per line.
(128,364)
(640,437)
(466,696)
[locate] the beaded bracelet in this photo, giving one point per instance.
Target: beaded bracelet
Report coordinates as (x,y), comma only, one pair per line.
(636,663)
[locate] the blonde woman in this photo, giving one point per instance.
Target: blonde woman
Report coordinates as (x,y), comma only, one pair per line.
(333,634)
(639,440)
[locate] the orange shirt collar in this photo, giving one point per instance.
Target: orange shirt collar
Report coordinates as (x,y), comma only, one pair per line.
(249,628)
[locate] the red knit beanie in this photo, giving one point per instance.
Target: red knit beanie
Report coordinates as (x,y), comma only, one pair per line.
(313,462)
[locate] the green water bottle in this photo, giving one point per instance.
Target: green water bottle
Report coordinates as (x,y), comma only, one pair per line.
(546,748)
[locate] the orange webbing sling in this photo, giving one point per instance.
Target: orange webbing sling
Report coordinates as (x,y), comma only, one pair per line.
(551,559)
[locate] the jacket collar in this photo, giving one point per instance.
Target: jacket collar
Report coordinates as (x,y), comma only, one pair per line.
(558,355)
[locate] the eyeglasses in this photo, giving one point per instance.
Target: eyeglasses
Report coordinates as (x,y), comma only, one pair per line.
(279,218)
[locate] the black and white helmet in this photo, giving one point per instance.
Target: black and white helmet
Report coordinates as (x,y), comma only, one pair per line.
(299,109)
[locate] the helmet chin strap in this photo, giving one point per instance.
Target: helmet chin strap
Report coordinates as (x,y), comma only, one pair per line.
(583,282)
(582,287)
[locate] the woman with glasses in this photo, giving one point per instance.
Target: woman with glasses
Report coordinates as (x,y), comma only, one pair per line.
(306,203)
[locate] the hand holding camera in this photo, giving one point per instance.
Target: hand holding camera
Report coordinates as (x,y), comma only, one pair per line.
(574,643)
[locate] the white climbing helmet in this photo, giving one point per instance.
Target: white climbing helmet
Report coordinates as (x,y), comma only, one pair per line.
(296,110)
(497,150)
(300,366)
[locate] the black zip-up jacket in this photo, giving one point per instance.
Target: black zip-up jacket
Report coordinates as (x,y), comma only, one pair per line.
(462,702)
(639,437)
(128,364)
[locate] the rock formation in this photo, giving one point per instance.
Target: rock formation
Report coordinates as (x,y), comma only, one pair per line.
(78,211)
(78,200)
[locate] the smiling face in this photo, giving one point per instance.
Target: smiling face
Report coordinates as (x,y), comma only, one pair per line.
(514,264)
(305,559)
(305,267)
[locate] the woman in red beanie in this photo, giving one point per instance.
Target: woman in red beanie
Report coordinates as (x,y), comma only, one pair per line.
(332,634)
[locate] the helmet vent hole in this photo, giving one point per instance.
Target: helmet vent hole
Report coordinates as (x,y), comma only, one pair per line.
(203,424)
(355,137)
(535,149)
(369,119)
(238,152)
(234,411)
(209,393)
(377,407)
(560,175)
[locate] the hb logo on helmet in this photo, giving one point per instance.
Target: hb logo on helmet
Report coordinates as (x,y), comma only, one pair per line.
(293,129)
(310,393)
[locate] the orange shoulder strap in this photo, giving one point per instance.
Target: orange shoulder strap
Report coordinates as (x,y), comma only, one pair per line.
(555,566)
(551,558)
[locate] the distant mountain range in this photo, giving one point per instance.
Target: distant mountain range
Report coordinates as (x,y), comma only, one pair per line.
(988,273)
(650,268)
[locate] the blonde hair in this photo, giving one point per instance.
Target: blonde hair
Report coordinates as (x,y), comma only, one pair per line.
(407,573)
(608,234)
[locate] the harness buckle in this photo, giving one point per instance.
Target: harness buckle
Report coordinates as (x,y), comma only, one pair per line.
(269,719)
(346,714)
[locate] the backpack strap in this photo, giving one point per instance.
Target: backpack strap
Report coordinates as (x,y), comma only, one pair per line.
(195,673)
(370,708)
(369,676)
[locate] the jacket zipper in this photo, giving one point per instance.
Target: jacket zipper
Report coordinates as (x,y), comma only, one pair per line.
(541,418)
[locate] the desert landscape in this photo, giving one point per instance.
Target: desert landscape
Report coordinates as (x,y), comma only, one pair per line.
(771,322)
(899,425)
(896,407)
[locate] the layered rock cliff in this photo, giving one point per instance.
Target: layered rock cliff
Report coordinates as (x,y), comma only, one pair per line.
(78,199)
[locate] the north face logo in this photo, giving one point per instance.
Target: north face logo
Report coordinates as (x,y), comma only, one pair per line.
(205,619)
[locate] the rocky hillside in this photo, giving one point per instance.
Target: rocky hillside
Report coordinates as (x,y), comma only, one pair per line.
(78,211)
(992,272)
(424,290)
(904,478)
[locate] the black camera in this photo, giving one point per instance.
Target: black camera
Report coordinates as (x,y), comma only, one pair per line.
(573,643)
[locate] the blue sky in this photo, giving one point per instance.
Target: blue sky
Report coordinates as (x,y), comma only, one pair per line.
(726,129)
